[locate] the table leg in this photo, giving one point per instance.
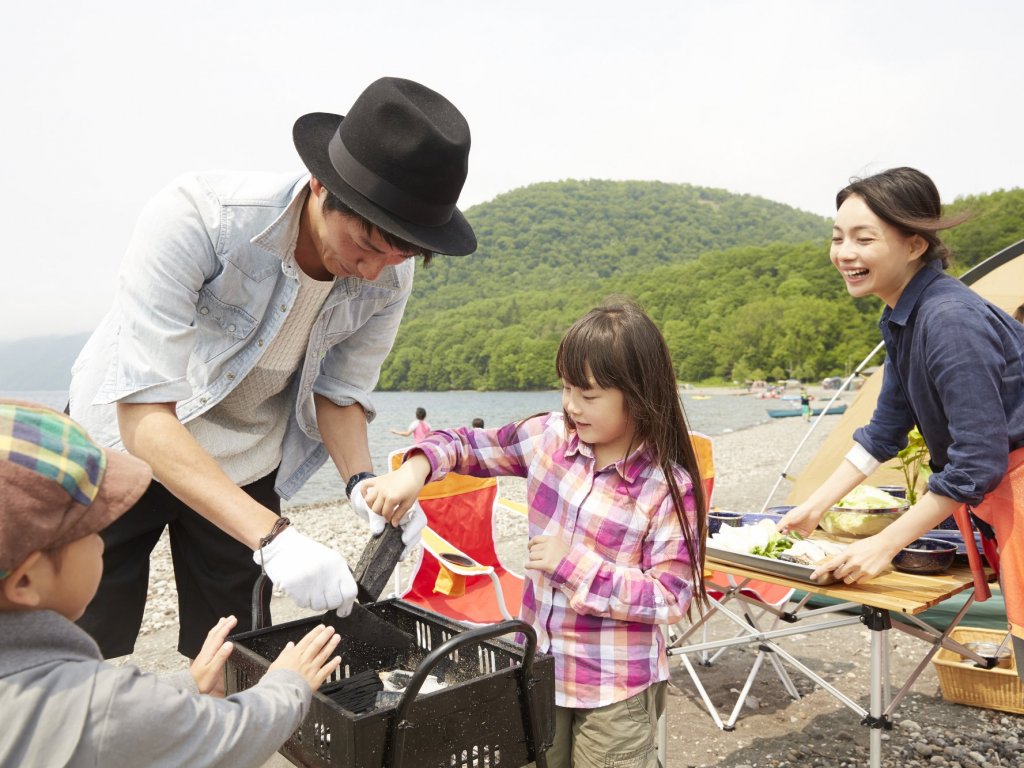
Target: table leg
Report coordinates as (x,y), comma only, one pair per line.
(880,624)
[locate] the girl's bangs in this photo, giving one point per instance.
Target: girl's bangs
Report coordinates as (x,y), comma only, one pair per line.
(582,355)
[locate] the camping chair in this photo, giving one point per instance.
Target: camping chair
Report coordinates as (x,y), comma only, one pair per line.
(756,600)
(458,573)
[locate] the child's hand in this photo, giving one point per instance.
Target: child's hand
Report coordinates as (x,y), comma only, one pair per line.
(545,553)
(208,668)
(391,495)
(310,657)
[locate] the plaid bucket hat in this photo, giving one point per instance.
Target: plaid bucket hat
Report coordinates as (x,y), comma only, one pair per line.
(56,484)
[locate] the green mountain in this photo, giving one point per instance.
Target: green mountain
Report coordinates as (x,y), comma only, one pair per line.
(580,234)
(996,220)
(742,287)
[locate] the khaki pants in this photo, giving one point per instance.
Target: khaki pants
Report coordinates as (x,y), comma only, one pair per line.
(620,735)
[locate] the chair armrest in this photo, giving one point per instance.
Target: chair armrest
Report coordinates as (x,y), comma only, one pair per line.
(513,506)
(451,557)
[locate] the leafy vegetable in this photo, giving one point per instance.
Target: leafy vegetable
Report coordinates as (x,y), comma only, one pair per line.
(913,463)
(856,523)
(760,539)
(775,546)
(869,497)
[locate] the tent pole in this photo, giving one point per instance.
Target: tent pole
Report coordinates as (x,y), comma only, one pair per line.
(844,385)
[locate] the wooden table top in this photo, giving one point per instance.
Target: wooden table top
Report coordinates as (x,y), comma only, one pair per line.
(892,591)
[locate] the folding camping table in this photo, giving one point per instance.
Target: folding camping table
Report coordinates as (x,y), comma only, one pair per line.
(877,599)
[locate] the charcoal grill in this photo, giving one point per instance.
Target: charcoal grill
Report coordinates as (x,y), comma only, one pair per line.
(496,711)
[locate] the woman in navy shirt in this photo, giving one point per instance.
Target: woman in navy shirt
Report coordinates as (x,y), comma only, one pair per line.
(954,367)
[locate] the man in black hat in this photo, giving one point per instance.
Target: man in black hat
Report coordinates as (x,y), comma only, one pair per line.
(252,318)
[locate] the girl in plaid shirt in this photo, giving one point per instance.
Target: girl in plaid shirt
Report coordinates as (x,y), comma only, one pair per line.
(616,528)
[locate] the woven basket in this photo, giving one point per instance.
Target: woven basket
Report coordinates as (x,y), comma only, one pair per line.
(963,683)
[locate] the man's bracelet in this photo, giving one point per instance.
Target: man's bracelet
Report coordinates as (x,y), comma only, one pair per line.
(279,525)
(355,480)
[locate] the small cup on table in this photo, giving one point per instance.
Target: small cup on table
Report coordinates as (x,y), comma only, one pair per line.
(719,517)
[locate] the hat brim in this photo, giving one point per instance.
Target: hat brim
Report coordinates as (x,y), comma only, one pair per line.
(124,482)
(312,133)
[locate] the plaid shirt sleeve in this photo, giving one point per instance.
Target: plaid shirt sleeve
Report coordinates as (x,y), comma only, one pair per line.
(656,590)
(502,451)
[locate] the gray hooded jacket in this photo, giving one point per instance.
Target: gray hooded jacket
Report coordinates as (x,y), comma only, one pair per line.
(62,705)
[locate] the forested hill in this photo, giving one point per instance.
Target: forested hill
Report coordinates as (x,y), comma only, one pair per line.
(741,287)
(577,233)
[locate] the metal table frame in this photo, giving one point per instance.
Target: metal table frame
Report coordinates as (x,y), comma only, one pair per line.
(875,608)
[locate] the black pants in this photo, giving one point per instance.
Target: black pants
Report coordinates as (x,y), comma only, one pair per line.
(214,572)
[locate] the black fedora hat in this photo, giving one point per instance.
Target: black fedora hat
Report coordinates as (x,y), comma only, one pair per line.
(399,159)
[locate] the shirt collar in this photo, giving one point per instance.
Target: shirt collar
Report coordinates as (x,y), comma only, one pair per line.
(629,468)
(283,233)
(912,293)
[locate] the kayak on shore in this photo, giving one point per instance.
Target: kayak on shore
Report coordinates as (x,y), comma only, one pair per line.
(781,413)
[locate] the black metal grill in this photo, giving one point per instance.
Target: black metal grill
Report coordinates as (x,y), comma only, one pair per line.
(496,711)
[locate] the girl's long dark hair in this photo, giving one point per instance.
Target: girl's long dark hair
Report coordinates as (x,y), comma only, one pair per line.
(621,348)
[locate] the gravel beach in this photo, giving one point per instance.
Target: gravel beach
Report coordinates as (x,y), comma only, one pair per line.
(774,730)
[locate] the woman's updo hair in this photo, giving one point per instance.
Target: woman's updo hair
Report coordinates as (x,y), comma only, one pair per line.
(908,200)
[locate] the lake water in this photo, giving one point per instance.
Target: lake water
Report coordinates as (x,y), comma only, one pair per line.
(715,415)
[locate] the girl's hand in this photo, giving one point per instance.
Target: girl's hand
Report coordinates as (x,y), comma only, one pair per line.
(208,668)
(546,553)
(391,495)
(803,519)
(310,657)
(860,561)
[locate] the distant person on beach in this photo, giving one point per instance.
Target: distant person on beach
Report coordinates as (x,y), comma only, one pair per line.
(418,428)
(954,366)
(805,404)
(62,704)
(615,524)
(478,423)
(252,317)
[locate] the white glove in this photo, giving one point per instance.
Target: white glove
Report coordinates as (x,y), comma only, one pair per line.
(412,524)
(312,575)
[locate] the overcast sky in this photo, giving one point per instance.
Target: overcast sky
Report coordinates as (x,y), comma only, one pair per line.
(105,102)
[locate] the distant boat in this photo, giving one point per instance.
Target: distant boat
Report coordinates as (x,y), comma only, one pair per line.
(781,413)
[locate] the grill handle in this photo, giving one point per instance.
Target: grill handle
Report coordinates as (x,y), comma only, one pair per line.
(399,725)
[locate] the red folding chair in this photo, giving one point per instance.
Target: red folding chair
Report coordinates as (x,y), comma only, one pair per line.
(458,573)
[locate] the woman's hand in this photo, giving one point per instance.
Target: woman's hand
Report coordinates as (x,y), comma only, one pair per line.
(860,561)
(311,656)
(869,557)
(546,553)
(802,518)
(208,668)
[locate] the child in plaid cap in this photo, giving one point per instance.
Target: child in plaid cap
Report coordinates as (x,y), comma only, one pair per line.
(64,705)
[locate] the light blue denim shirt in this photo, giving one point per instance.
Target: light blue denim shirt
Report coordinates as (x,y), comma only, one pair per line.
(204,288)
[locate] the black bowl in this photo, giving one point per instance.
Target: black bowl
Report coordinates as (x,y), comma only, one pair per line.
(925,556)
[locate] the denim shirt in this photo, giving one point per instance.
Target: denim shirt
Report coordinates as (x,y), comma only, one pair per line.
(205,285)
(954,367)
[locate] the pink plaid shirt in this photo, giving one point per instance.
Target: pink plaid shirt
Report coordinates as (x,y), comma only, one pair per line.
(627,570)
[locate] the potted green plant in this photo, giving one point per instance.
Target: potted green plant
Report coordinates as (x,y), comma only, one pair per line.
(913,463)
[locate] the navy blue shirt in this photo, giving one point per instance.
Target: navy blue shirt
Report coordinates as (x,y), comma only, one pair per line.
(955,368)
